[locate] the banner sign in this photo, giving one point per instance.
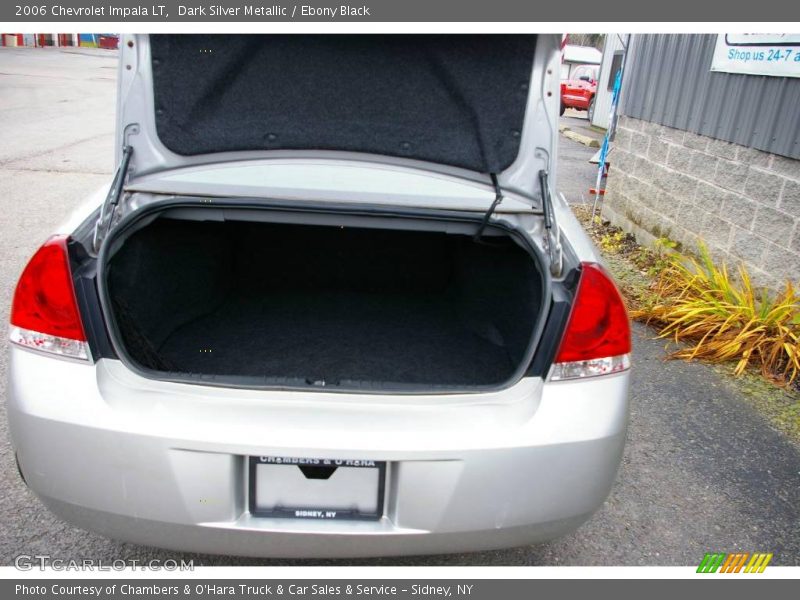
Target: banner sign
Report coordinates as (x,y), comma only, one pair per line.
(512,11)
(776,54)
(384,589)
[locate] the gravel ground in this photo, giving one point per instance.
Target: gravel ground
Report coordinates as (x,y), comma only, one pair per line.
(703,471)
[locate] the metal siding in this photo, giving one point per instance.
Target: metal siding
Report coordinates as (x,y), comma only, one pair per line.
(669,81)
(670,101)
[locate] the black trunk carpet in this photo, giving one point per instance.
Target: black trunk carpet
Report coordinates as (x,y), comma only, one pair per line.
(336,336)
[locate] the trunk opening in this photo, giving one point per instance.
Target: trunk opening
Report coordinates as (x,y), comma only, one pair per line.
(319,306)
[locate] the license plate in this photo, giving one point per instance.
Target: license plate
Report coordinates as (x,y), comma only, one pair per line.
(316,488)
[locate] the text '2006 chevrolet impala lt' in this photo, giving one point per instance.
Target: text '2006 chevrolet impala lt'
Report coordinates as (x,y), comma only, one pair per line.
(329,306)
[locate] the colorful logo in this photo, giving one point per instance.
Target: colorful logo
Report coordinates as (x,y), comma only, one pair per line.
(714,562)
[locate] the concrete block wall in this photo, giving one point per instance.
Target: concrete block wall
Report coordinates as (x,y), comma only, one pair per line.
(744,203)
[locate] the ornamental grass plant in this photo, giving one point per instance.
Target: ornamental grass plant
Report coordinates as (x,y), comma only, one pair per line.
(721,316)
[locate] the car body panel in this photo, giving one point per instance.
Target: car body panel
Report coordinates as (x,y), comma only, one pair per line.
(330,180)
(578,93)
(164,463)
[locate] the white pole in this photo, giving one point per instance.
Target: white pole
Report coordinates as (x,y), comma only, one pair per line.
(601,165)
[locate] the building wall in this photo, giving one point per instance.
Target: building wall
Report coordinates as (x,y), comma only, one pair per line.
(574,56)
(743,202)
(708,155)
(40,39)
(668,81)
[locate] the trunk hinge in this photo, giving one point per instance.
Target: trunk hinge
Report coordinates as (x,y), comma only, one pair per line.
(498,198)
(552,235)
(106,218)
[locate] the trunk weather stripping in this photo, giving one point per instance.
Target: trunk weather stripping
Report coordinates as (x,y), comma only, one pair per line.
(552,239)
(498,198)
(106,217)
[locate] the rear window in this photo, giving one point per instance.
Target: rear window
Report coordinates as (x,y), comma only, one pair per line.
(585,71)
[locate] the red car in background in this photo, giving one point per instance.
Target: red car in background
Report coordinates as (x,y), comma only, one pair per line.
(579,89)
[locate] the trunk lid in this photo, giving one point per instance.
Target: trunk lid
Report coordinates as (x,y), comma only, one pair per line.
(457,107)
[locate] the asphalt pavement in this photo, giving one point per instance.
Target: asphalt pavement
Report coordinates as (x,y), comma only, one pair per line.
(702,471)
(576,175)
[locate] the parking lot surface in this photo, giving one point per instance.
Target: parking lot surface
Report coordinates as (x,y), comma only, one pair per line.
(702,470)
(576,175)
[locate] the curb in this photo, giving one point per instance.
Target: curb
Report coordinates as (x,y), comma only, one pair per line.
(580,138)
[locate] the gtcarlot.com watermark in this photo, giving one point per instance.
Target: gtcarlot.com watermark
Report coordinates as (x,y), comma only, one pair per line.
(42,562)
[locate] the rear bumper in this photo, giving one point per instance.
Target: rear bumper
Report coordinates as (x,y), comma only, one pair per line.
(266,540)
(165,464)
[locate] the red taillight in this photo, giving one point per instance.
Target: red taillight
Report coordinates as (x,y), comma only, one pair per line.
(44,312)
(597,339)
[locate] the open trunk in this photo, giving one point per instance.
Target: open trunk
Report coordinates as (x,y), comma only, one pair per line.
(276,304)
